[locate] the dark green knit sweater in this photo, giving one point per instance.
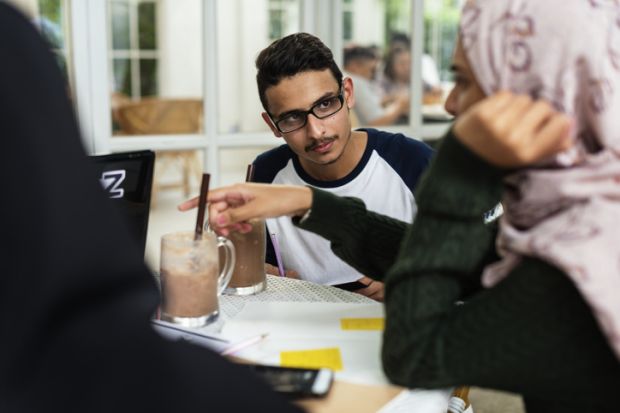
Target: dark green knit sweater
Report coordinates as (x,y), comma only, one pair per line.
(531,334)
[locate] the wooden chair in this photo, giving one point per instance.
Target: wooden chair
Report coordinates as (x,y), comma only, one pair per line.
(161,116)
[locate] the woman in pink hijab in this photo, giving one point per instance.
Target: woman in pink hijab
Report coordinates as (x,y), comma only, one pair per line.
(547,324)
(563,210)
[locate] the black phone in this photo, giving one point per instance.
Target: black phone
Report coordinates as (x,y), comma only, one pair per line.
(295,382)
(352,286)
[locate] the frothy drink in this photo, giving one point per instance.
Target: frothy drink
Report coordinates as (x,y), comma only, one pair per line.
(190,293)
(191,280)
(249,270)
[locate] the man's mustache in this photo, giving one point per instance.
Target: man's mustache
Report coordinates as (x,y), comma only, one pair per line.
(317,143)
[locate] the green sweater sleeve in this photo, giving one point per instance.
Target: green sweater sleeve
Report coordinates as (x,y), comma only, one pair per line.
(531,334)
(365,240)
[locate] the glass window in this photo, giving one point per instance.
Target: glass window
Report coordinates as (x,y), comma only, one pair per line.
(441,19)
(122,80)
(156,65)
(120,25)
(147,27)
(347,20)
(148,77)
(373,31)
(245,27)
(282,14)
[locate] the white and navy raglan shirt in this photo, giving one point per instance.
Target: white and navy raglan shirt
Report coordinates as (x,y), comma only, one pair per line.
(385,179)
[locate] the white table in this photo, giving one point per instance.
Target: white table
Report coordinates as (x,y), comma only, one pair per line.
(288,289)
(359,397)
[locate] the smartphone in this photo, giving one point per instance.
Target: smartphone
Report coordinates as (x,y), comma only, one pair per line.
(295,382)
(352,286)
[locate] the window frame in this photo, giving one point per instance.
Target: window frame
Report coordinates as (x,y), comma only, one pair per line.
(90,41)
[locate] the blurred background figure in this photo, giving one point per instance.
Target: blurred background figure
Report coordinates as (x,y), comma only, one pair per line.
(360,63)
(396,76)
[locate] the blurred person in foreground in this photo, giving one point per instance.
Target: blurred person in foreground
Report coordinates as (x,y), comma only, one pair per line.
(75,296)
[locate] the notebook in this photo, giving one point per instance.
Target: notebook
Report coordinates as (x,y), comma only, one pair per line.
(127,178)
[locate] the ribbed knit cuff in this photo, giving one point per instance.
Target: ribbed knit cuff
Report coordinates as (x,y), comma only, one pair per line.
(328,212)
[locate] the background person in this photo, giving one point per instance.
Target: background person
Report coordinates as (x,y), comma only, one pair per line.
(396,75)
(360,63)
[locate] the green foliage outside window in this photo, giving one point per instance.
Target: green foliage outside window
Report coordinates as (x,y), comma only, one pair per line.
(441,19)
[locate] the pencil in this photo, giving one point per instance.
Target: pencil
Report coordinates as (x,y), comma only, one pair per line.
(243,344)
(276,250)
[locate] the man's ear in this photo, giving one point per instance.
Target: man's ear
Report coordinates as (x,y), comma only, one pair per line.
(349,96)
(269,123)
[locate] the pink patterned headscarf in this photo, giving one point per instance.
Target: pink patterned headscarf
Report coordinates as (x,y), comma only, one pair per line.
(565,211)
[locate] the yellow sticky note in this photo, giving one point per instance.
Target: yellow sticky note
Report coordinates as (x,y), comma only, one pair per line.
(314,359)
(362,323)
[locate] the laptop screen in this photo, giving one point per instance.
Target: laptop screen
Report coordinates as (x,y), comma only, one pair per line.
(127,179)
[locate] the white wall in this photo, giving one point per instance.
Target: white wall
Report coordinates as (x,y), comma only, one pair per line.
(368,26)
(242,33)
(180,40)
(230,91)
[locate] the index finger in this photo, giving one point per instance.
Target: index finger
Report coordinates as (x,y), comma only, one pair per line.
(189,204)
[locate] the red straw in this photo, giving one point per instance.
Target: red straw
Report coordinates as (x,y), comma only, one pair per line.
(202,205)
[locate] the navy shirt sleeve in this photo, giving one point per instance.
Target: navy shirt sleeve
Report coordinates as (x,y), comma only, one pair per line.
(408,157)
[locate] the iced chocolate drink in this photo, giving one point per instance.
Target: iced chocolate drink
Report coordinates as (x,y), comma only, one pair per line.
(189,294)
(249,272)
(190,277)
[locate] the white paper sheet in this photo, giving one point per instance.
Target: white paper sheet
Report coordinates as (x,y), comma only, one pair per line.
(309,326)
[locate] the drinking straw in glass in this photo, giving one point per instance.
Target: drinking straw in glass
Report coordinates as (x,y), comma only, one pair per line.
(276,249)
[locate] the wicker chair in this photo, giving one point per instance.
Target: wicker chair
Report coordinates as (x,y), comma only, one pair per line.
(161,116)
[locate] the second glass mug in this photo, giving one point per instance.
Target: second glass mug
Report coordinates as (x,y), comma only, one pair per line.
(191,278)
(249,272)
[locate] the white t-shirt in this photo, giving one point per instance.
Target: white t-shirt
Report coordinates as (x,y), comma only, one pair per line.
(384,179)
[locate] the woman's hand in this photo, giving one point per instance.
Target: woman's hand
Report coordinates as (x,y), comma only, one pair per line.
(231,207)
(513,131)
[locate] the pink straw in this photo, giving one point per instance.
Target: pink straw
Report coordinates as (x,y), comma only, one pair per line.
(276,249)
(243,344)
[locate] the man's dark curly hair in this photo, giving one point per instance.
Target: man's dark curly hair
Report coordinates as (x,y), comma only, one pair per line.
(293,54)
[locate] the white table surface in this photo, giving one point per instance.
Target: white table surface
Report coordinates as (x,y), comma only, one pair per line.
(280,289)
(288,289)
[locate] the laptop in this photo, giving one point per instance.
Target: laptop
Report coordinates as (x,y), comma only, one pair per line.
(127,178)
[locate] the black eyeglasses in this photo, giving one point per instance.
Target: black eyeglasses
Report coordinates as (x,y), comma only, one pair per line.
(298,119)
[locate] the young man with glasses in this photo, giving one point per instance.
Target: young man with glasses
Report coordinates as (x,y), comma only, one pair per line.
(307,103)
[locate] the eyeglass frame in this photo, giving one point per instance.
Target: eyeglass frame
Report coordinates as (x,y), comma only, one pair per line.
(306,113)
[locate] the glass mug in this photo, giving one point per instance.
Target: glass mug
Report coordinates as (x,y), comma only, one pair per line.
(190,277)
(249,272)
